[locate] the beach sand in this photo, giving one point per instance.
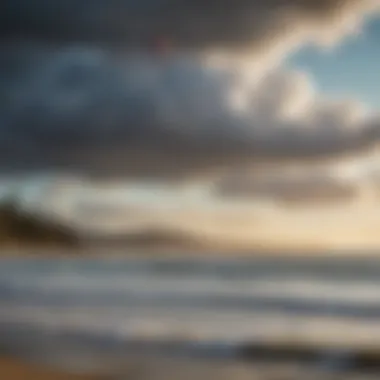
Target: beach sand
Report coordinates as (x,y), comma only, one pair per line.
(18,370)
(181,370)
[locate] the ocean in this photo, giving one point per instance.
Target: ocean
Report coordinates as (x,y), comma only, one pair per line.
(92,313)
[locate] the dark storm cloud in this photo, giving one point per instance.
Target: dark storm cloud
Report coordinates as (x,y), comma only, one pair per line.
(193,24)
(82,109)
(74,97)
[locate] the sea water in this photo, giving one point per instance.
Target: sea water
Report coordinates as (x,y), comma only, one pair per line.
(93,311)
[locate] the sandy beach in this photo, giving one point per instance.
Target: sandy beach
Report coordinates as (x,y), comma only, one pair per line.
(183,370)
(11,368)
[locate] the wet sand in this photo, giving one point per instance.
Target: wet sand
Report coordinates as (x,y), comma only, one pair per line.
(182,370)
(14,369)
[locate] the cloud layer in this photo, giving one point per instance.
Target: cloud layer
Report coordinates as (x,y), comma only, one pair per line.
(77,97)
(193,24)
(290,188)
(82,109)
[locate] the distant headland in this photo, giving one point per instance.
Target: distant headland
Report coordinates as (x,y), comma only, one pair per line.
(20,228)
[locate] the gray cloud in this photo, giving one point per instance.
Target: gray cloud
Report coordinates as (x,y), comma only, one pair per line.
(86,110)
(287,188)
(193,24)
(74,97)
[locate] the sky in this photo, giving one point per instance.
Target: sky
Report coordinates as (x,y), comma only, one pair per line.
(244,122)
(349,69)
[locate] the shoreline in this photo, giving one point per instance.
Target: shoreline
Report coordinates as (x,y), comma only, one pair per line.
(172,369)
